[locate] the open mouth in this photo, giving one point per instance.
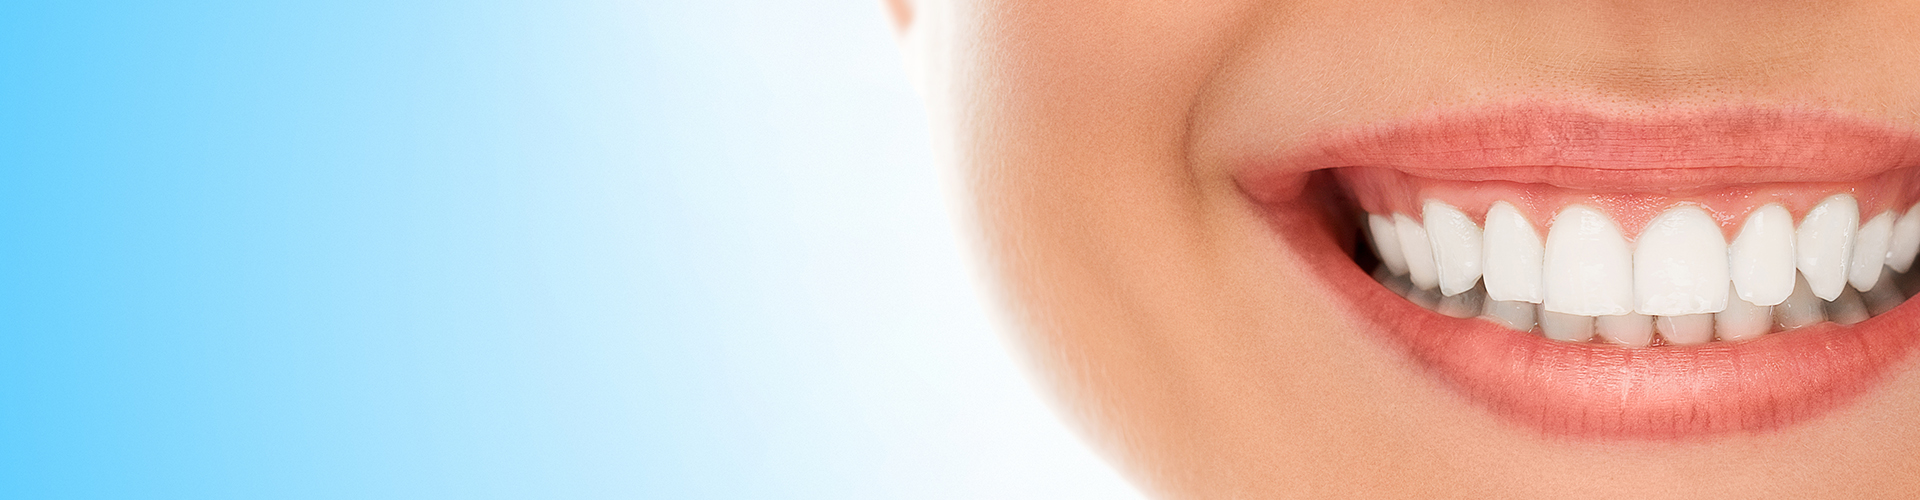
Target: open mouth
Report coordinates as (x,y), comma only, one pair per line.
(1607,277)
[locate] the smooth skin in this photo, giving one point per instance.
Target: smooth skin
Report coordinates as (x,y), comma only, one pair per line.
(1095,136)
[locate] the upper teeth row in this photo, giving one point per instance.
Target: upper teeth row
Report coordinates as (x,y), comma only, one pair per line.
(1680,265)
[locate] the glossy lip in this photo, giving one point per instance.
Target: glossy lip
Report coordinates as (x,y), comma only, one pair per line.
(1587,390)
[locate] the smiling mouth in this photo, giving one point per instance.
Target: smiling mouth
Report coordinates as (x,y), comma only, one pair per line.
(1790,262)
(1619,278)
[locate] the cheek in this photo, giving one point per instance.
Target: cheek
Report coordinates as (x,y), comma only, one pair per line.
(1075,119)
(1143,279)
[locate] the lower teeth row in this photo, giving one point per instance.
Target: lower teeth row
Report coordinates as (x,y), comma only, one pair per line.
(1740,321)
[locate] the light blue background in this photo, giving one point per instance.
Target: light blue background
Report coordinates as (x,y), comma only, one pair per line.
(510,249)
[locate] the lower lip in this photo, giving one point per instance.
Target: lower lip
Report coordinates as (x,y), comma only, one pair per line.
(1603,392)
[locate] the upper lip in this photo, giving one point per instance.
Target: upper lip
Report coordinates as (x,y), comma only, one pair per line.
(1579,148)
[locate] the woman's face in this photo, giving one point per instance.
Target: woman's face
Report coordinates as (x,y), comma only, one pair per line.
(1661,225)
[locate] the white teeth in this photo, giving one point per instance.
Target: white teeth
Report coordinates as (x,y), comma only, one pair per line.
(1588,267)
(1870,251)
(1632,330)
(1680,265)
(1566,327)
(1386,243)
(1512,314)
(1760,260)
(1418,251)
(1686,330)
(1680,282)
(1905,242)
(1513,256)
(1456,246)
(1824,244)
(1742,320)
(1802,308)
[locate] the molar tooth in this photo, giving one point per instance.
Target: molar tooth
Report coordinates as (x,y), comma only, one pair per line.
(1588,269)
(1905,243)
(1566,327)
(1870,251)
(1802,308)
(1760,260)
(1824,244)
(1884,296)
(1688,329)
(1847,309)
(1743,320)
(1456,246)
(1513,256)
(1386,243)
(1418,251)
(1680,265)
(1512,314)
(1633,330)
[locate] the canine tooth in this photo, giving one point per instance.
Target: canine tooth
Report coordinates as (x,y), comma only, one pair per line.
(1513,256)
(1905,243)
(1462,305)
(1884,296)
(1511,314)
(1634,330)
(1680,265)
(1760,260)
(1742,320)
(1870,251)
(1802,308)
(1418,251)
(1823,245)
(1456,246)
(1566,327)
(1588,269)
(1847,309)
(1686,330)
(1386,243)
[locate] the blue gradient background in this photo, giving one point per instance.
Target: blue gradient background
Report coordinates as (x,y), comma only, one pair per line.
(509,249)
